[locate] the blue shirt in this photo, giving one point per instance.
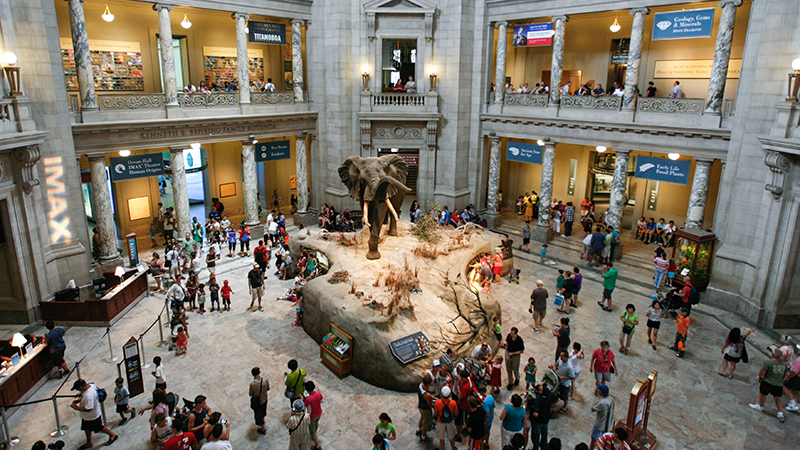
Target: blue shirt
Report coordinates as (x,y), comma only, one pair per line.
(514,418)
(488,406)
(55,338)
(544,252)
(651,225)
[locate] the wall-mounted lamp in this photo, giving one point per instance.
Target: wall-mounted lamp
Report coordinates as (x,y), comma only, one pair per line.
(107,16)
(185,22)
(365,78)
(433,78)
(615,26)
(674,156)
(600,149)
(794,81)
(12,73)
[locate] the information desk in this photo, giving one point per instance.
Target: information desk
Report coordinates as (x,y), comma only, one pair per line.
(97,312)
(18,380)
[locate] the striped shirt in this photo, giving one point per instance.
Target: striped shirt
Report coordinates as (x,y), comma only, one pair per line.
(300,436)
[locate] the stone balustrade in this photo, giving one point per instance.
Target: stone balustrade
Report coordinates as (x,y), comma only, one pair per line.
(15,115)
(271,98)
(117,102)
(209,100)
(684,106)
(606,102)
(532,100)
(399,103)
(398,99)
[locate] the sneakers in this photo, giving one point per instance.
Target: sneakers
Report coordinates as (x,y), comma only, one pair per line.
(123,421)
(756,406)
(536,330)
(794,407)
(780,416)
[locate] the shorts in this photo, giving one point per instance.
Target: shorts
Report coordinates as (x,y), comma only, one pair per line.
(446,431)
(57,356)
(793,384)
(576,291)
(733,359)
(769,389)
(256,292)
(563,392)
(123,408)
(605,252)
(226,301)
(94,426)
(577,374)
(607,293)
(670,275)
(539,315)
(260,413)
(595,251)
(313,426)
(161,386)
(596,433)
(474,444)
(586,249)
(426,415)
(653,324)
(461,417)
(526,241)
(488,430)
(602,377)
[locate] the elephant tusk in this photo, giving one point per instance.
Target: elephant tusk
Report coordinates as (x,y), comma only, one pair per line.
(391,208)
(365,216)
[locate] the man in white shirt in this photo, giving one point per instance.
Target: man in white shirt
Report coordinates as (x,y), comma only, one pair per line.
(225,224)
(269,87)
(176,292)
(218,440)
(411,86)
(567,88)
(89,407)
(619,91)
(174,257)
(677,90)
(197,263)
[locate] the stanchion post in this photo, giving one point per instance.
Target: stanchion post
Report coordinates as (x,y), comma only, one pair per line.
(161,341)
(78,369)
(10,441)
(119,368)
(166,308)
(145,365)
(60,429)
(111,359)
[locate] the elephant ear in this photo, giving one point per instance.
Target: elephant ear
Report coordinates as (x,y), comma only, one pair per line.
(350,174)
(396,170)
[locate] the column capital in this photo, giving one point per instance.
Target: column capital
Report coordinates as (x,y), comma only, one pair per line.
(302,135)
(80,1)
(247,142)
(240,15)
(96,157)
(562,18)
(303,21)
(502,23)
(735,3)
(622,151)
(644,11)
(177,148)
(704,161)
(493,136)
(160,6)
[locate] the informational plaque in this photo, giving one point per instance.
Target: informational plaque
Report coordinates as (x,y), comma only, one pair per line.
(227,190)
(411,347)
(133,249)
(133,367)
(139,208)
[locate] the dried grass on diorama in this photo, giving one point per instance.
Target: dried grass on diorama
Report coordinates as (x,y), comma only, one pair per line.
(346,239)
(341,276)
(429,251)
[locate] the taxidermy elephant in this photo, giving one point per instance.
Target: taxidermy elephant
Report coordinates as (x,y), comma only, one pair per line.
(378,184)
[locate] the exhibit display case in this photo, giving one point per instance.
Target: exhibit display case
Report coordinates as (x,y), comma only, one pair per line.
(336,351)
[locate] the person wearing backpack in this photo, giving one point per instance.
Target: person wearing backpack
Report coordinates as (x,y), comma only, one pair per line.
(89,407)
(260,256)
(445,410)
(688,295)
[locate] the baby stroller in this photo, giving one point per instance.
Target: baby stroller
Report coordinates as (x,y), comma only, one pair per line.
(671,303)
(476,370)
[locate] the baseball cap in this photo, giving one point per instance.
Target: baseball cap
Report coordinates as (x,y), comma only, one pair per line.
(445,392)
(256,266)
(298,405)
(226,281)
(436,363)
(79,383)
(603,388)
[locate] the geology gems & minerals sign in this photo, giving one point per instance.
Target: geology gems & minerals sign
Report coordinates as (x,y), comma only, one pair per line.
(136,166)
(661,169)
(690,24)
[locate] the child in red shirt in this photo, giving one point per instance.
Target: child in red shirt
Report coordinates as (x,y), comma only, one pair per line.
(496,374)
(226,295)
(181,344)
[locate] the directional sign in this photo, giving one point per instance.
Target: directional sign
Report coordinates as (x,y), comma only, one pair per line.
(411,347)
(136,166)
(696,23)
(273,151)
(662,169)
(523,152)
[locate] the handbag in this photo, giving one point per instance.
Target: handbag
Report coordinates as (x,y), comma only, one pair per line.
(745,358)
(627,329)
(255,402)
(559,299)
(290,391)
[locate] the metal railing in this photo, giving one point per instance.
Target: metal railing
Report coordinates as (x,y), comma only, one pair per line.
(683,106)
(531,100)
(117,102)
(392,99)
(606,102)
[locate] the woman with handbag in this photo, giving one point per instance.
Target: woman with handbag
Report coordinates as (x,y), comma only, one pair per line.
(294,382)
(733,351)
(603,364)
(629,320)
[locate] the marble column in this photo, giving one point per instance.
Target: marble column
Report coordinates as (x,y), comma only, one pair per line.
(242,59)
(699,195)
(500,65)
(615,204)
(634,58)
(297,59)
(301,161)
(494,178)
(250,183)
(104,217)
(83,57)
(722,56)
(180,193)
(558,59)
(167,54)
(546,191)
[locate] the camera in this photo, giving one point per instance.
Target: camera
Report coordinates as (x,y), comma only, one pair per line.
(223,421)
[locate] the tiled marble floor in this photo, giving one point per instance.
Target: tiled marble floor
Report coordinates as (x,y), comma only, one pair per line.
(694,408)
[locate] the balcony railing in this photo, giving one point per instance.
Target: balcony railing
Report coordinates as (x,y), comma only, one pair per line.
(271,98)
(15,115)
(683,106)
(117,102)
(606,102)
(212,100)
(533,100)
(391,99)
(389,102)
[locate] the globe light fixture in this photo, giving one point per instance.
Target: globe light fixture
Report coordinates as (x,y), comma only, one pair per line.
(9,58)
(107,16)
(433,78)
(600,149)
(195,146)
(185,22)
(674,156)
(365,78)
(12,73)
(124,153)
(615,26)
(540,143)
(794,81)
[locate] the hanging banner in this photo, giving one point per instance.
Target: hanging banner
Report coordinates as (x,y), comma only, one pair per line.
(696,23)
(537,34)
(523,152)
(136,166)
(693,68)
(661,169)
(267,32)
(652,196)
(273,151)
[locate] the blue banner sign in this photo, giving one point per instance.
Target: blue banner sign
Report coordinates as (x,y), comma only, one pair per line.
(136,166)
(696,23)
(533,35)
(267,32)
(522,152)
(661,169)
(273,151)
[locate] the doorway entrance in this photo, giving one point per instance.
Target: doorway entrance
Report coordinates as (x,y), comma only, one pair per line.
(399,61)
(411,157)
(181,54)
